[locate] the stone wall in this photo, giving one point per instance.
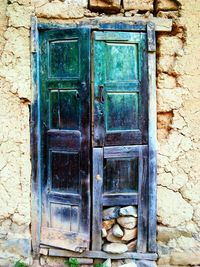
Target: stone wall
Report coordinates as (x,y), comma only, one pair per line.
(119,229)
(178,76)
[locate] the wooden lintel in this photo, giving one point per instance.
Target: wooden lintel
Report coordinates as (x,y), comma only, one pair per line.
(103,255)
(161,24)
(115,23)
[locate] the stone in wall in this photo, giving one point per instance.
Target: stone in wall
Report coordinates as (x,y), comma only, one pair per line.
(170,45)
(14,60)
(59,10)
(167,5)
(169,99)
(166,81)
(186,258)
(173,180)
(19,15)
(168,14)
(145,5)
(21,2)
(117,231)
(116,248)
(107,224)
(111,213)
(108,6)
(177,209)
(165,64)
(83,3)
(38,3)
(164,124)
(165,234)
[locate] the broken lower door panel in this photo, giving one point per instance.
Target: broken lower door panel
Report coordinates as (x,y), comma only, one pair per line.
(65,138)
(120,179)
(120,88)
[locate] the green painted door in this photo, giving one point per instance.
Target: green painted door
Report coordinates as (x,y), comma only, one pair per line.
(120,88)
(65,138)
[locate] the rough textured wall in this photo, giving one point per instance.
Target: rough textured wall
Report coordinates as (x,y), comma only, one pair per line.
(178,120)
(178,135)
(15,97)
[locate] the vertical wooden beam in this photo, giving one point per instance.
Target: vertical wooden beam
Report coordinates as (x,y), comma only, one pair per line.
(151,37)
(142,201)
(152,247)
(97,198)
(35,142)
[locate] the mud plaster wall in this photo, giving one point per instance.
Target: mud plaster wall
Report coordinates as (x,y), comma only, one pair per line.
(178,79)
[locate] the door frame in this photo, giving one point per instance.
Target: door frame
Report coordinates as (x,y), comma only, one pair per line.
(140,26)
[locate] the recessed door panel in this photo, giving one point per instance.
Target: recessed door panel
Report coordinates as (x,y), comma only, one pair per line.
(65,217)
(121,111)
(127,70)
(120,175)
(64,172)
(64,109)
(64,58)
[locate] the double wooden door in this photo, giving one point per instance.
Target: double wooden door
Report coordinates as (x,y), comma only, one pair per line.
(93,123)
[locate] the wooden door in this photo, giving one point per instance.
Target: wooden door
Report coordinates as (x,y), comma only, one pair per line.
(65,138)
(120,88)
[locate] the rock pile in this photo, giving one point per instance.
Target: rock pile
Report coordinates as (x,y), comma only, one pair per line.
(119,229)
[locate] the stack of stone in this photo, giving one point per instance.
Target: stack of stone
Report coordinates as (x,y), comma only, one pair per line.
(119,229)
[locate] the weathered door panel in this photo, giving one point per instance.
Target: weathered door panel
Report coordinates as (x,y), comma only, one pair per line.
(120,88)
(65,138)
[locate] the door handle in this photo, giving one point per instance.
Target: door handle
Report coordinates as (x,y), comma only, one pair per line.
(101,93)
